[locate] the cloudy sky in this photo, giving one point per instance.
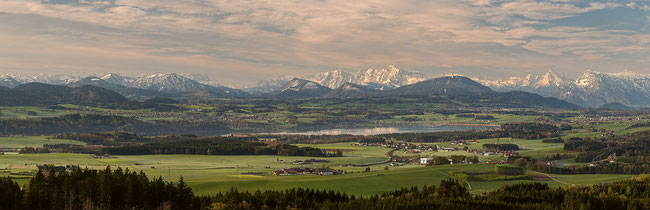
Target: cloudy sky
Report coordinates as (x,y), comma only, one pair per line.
(246,40)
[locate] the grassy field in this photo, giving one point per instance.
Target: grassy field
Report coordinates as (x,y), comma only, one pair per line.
(32,141)
(533,148)
(211,174)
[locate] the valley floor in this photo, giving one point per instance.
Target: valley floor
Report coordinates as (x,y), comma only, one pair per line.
(211,174)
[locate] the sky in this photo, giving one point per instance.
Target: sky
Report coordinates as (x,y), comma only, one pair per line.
(242,41)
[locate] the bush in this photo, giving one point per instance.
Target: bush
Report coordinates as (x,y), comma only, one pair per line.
(507,170)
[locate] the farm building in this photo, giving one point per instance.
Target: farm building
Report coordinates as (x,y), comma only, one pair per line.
(425,161)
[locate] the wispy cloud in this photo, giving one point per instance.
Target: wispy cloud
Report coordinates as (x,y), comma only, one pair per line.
(255,39)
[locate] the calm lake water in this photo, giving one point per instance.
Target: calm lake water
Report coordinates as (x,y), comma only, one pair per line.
(386,130)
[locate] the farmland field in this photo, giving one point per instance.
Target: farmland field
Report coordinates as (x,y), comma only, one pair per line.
(210,174)
(15,142)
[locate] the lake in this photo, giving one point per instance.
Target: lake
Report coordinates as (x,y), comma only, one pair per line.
(387,130)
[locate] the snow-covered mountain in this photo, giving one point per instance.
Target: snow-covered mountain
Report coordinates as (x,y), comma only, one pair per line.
(118,79)
(300,88)
(175,83)
(9,81)
(591,89)
(597,88)
(389,77)
(546,82)
(54,79)
(168,83)
(157,84)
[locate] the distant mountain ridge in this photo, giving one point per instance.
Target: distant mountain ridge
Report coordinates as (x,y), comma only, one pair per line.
(591,89)
(151,85)
(388,77)
(45,94)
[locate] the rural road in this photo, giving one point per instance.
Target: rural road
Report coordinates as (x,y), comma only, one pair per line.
(553,178)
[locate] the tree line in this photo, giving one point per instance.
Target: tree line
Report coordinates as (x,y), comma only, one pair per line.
(217,146)
(514,130)
(124,189)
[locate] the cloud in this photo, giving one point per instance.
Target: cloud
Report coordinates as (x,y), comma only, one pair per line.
(254,39)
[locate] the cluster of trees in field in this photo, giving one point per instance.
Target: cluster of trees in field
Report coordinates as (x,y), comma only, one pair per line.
(530,130)
(290,150)
(496,175)
(123,189)
(131,144)
(623,154)
(477,117)
(640,125)
(514,130)
(108,138)
(32,150)
(443,136)
(553,140)
(453,159)
(609,168)
(629,149)
(218,146)
(500,147)
(509,170)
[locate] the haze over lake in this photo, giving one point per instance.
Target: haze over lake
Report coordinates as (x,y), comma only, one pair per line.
(387,130)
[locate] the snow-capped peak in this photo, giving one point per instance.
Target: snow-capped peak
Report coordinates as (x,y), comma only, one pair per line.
(118,79)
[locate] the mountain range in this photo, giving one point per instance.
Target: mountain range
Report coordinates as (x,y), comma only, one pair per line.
(592,89)
(151,85)
(383,78)
(45,94)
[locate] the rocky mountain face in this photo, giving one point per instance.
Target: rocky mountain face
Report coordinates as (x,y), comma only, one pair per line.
(384,78)
(591,89)
(168,83)
(118,79)
(9,81)
(300,88)
(152,85)
(350,90)
(546,82)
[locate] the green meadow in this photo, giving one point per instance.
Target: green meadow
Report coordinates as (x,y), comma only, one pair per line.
(211,174)
(16,142)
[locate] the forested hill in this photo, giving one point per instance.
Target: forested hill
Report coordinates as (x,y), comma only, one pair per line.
(77,123)
(43,94)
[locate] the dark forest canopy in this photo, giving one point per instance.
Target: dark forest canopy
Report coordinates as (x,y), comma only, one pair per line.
(500,147)
(91,123)
(217,146)
(514,130)
(124,189)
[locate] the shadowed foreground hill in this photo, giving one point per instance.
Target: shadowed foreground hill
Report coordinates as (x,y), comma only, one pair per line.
(454,85)
(76,123)
(43,94)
